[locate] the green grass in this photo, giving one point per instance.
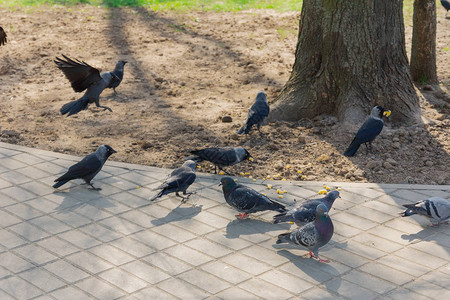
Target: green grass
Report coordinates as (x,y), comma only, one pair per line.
(205,5)
(202,5)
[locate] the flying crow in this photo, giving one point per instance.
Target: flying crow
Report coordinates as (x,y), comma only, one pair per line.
(84,77)
(368,131)
(87,168)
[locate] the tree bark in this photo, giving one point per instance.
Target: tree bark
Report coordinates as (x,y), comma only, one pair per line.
(350,57)
(423,48)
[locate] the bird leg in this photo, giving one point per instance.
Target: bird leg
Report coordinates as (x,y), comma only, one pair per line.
(242,216)
(94,188)
(114,89)
(105,108)
(184,199)
(318,257)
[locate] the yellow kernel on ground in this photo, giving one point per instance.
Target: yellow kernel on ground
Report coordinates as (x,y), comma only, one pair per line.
(247,173)
(137,187)
(199,167)
(235,179)
(254,179)
(284,179)
(242,174)
(221,173)
(326,187)
(321,192)
(338,189)
(288,167)
(280,196)
(299,172)
(291,222)
(251,159)
(263,194)
(303,176)
(269,186)
(268,176)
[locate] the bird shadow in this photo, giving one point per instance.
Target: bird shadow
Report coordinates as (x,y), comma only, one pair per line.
(319,272)
(178,213)
(79,196)
(250,226)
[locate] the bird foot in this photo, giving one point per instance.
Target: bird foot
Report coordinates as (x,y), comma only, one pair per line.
(318,257)
(94,188)
(105,108)
(242,216)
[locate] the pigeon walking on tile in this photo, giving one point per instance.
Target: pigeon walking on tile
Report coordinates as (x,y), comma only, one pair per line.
(87,168)
(247,200)
(313,235)
(434,208)
(306,211)
(221,156)
(178,181)
(368,131)
(256,115)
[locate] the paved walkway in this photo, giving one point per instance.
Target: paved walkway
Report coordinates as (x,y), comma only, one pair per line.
(83,244)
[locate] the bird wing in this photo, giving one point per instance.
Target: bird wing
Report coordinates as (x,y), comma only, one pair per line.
(80,74)
(85,167)
(304,214)
(243,198)
(2,36)
(307,235)
(115,81)
(180,180)
(368,131)
(218,156)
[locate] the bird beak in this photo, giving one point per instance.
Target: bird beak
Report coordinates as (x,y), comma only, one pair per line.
(387,113)
(113,151)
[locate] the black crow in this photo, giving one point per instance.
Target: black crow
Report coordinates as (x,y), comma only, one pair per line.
(3,39)
(87,168)
(221,156)
(256,115)
(368,131)
(247,200)
(446,5)
(118,72)
(178,181)
(84,77)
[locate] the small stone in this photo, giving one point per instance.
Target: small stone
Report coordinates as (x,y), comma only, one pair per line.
(358,173)
(396,145)
(371,165)
(429,163)
(227,119)
(387,165)
(302,140)
(391,161)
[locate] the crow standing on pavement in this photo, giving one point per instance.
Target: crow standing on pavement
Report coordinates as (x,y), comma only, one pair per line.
(2,37)
(256,115)
(84,77)
(221,156)
(178,181)
(87,168)
(368,131)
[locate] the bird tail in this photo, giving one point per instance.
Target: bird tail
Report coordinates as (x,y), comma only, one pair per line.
(351,150)
(283,238)
(60,183)
(161,193)
(283,217)
(278,207)
(244,129)
(74,107)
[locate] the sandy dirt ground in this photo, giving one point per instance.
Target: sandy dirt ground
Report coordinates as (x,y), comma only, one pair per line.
(185,72)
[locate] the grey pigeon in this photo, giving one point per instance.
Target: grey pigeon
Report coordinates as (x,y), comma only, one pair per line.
(368,131)
(313,235)
(306,211)
(435,208)
(178,181)
(247,200)
(84,77)
(118,72)
(221,156)
(87,168)
(256,115)
(3,39)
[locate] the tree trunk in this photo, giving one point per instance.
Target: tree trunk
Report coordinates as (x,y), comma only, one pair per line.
(350,57)
(423,49)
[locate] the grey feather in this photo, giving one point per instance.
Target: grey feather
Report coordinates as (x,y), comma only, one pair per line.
(221,156)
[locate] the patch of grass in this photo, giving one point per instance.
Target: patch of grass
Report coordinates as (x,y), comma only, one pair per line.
(156,5)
